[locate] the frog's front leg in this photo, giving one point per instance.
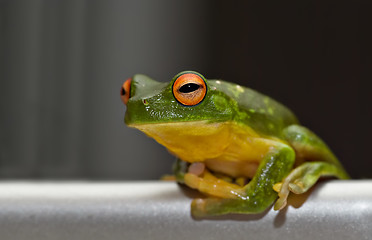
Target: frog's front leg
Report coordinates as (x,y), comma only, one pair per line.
(207,183)
(196,176)
(254,197)
(310,147)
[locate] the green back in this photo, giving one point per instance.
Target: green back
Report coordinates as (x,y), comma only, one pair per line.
(260,112)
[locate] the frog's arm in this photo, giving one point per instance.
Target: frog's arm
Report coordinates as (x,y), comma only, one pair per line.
(257,195)
(323,163)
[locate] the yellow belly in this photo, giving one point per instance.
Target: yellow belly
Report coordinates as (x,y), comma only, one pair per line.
(227,147)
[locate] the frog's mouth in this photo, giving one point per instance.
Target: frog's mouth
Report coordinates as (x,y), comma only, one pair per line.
(191,141)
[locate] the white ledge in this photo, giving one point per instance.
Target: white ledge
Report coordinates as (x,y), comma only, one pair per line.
(161,210)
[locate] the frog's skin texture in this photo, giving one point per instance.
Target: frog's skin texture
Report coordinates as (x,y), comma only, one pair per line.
(240,148)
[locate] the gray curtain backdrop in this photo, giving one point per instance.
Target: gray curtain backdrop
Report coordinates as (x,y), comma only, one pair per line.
(63,66)
(63,62)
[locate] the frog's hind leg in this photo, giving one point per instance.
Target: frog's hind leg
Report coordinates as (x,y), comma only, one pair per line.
(323,163)
(309,146)
(302,178)
(258,194)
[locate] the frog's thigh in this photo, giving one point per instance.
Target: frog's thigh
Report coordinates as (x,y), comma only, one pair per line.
(302,178)
(258,193)
(308,145)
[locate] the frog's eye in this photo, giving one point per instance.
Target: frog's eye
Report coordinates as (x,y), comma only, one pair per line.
(189,89)
(125,91)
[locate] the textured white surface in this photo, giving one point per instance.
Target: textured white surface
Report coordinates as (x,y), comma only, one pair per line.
(161,210)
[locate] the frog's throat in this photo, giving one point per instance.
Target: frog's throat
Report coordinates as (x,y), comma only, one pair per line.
(198,141)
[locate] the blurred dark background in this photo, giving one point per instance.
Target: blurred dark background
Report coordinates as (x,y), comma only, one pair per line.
(62,64)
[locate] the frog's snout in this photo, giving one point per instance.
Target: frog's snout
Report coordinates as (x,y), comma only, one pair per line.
(125,91)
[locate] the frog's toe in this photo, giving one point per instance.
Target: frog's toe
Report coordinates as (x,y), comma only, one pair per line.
(283,192)
(192,180)
(297,187)
(280,203)
(198,208)
(277,187)
(168,178)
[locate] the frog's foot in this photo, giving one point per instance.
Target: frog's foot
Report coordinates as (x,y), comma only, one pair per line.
(302,178)
(283,190)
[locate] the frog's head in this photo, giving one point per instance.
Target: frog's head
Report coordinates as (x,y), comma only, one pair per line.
(187,107)
(187,97)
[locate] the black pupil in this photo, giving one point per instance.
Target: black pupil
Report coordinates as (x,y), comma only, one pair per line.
(189,87)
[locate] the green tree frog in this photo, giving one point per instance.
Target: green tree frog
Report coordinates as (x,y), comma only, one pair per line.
(240,148)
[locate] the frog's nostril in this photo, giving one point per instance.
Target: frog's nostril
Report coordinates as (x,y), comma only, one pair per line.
(125,91)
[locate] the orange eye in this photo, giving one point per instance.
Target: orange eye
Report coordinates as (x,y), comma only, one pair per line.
(189,89)
(125,91)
